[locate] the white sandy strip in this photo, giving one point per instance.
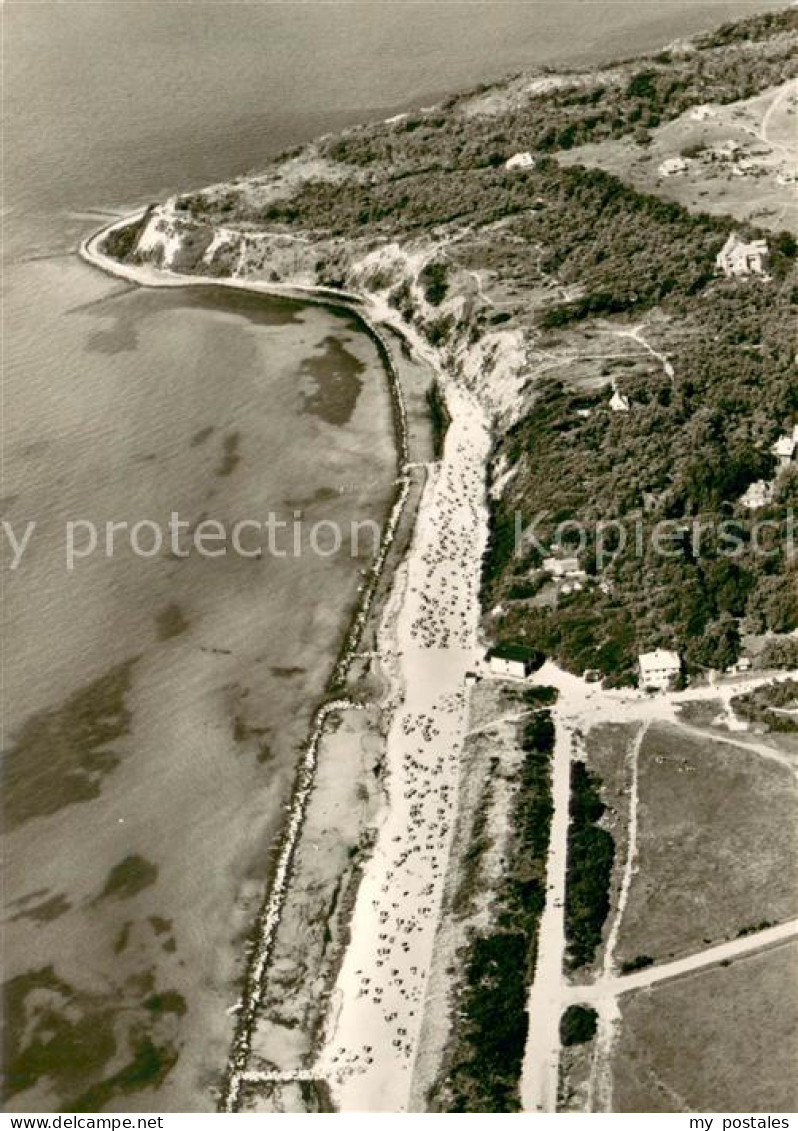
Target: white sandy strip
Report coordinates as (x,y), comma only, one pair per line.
(539,1073)
(374,1027)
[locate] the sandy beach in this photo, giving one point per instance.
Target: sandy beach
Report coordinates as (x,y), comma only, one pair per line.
(430,634)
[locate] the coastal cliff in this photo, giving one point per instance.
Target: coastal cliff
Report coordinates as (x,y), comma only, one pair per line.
(545,285)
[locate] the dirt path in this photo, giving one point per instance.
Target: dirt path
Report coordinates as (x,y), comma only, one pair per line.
(611,988)
(636,335)
(789,90)
(600,1083)
(759,748)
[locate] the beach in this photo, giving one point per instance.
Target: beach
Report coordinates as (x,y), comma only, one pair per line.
(426,643)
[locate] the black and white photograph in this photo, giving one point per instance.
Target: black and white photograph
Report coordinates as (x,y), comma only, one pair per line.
(399,573)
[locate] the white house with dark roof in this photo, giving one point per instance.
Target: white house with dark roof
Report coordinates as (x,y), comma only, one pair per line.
(512,660)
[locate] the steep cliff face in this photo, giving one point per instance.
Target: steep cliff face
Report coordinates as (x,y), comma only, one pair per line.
(173,240)
(395,275)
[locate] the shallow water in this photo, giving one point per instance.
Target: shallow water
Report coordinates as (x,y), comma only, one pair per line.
(154,706)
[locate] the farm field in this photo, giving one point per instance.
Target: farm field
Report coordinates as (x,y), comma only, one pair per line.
(724,1039)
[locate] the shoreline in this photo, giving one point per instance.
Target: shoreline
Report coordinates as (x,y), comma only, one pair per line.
(335,699)
(147,276)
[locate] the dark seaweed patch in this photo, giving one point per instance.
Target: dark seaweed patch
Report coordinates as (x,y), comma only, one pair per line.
(149,1067)
(230,456)
(201,436)
(57,1033)
(170,622)
(170,1001)
(336,373)
(52,1032)
(43,912)
(62,755)
(129,877)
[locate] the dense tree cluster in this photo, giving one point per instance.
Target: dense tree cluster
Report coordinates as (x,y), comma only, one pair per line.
(774,706)
(448,166)
(696,567)
(578,1025)
(484,1062)
(591,851)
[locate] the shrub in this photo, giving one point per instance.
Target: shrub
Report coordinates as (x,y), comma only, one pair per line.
(578,1025)
(638,963)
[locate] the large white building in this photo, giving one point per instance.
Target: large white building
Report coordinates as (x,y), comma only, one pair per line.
(563,567)
(737,257)
(658,669)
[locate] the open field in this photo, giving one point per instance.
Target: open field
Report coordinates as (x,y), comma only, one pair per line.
(717,847)
(724,1039)
(740,158)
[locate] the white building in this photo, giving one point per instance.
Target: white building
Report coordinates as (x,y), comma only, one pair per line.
(563,567)
(658,669)
(511,662)
(759,494)
(620,403)
(786,447)
(520,161)
(737,257)
(673,167)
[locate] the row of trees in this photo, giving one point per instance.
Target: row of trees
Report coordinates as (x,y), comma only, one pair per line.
(484,1063)
(591,851)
